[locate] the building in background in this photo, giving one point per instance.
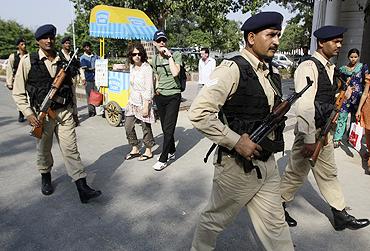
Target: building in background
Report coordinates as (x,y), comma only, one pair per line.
(349,14)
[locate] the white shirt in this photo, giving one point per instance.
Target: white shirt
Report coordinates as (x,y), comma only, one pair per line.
(205,70)
(141,84)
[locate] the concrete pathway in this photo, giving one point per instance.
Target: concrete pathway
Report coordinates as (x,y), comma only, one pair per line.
(142,209)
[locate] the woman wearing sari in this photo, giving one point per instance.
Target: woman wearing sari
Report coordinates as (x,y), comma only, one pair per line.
(356,71)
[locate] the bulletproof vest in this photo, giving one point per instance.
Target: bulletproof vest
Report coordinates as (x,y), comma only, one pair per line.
(248,106)
(74,67)
(17,58)
(325,95)
(39,83)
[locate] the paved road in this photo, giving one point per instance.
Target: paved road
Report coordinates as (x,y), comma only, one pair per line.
(142,209)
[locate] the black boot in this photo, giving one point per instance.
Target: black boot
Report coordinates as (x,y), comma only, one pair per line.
(46,187)
(86,193)
(291,222)
(21,117)
(344,220)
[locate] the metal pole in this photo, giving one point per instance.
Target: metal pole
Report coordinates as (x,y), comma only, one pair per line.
(73,28)
(102,49)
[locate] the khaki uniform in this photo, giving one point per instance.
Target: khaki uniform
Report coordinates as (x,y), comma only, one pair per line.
(9,70)
(232,188)
(63,126)
(325,170)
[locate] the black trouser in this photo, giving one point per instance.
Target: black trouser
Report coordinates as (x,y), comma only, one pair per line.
(168,109)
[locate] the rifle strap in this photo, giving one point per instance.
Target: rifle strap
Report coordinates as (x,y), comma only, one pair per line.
(222,117)
(258,171)
(272,83)
(210,150)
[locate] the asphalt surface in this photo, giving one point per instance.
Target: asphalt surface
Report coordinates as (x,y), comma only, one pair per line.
(142,209)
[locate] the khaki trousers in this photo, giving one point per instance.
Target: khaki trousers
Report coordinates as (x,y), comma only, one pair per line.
(64,129)
(148,138)
(234,189)
(325,173)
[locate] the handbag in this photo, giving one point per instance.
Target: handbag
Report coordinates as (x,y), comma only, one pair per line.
(95,98)
(355,135)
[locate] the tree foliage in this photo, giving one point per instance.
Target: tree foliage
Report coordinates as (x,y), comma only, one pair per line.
(292,37)
(10,31)
(193,31)
(298,30)
(206,27)
(190,23)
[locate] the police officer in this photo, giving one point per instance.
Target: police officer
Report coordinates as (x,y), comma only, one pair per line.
(33,79)
(12,66)
(65,55)
(313,109)
(246,174)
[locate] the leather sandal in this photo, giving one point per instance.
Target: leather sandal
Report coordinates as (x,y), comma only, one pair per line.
(132,156)
(144,157)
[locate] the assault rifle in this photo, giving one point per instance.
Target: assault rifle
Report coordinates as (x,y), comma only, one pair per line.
(45,106)
(277,116)
(322,140)
(273,120)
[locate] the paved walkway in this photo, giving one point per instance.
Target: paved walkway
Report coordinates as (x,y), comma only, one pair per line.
(142,209)
(188,95)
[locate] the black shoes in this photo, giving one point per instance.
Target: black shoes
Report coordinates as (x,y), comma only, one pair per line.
(21,117)
(46,187)
(85,192)
(291,222)
(344,220)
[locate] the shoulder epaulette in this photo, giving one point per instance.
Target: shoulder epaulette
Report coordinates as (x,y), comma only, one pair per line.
(227,63)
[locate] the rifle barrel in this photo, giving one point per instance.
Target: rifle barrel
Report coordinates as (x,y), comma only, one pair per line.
(70,61)
(297,95)
(277,115)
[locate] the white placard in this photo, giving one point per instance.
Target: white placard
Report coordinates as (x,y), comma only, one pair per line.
(101,73)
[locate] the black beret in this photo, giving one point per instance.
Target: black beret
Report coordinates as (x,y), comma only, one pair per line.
(19,40)
(263,20)
(329,32)
(65,39)
(47,29)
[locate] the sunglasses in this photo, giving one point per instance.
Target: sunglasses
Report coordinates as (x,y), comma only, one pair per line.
(161,40)
(137,54)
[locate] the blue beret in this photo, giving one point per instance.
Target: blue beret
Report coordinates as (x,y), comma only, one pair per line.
(329,32)
(65,39)
(47,29)
(263,20)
